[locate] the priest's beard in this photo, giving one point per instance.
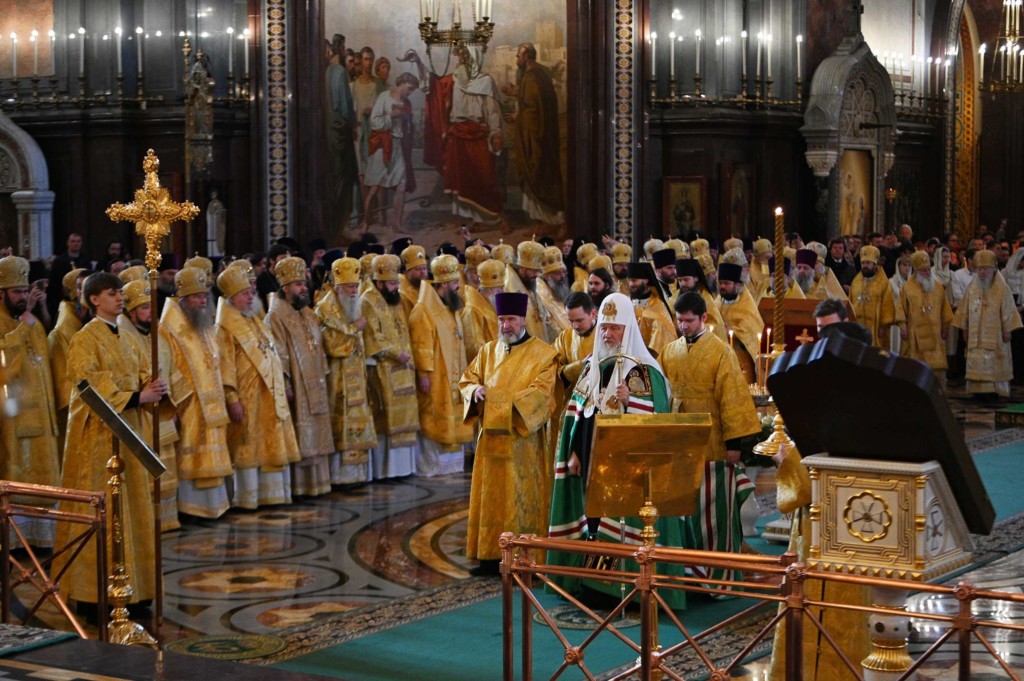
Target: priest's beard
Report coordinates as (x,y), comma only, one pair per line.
(491,294)
(560,289)
(730,297)
(391,297)
(143,327)
(350,306)
(15,309)
(805,281)
(713,285)
(298,300)
(198,318)
(451,300)
(530,283)
(511,338)
(926,281)
(686,289)
(605,350)
(248,311)
(985,284)
(868,273)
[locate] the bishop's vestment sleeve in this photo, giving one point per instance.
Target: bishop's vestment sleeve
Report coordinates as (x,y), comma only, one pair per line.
(531,407)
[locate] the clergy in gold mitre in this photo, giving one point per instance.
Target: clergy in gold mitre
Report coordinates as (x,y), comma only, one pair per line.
(741,316)
(759,277)
(826,283)
(621,256)
(133,273)
(135,323)
(439,352)
(692,277)
(71,314)
(299,343)
(342,323)
(261,436)
(28,436)
(699,246)
(197,393)
(871,297)
(414,273)
(651,246)
(552,290)
(793,290)
(924,317)
(479,317)
(651,309)
(584,253)
(987,316)
(521,277)
(681,248)
(476,255)
(705,377)
(391,375)
(257,303)
(508,388)
(121,376)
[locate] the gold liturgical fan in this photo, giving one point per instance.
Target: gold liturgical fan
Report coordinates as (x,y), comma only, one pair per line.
(671,447)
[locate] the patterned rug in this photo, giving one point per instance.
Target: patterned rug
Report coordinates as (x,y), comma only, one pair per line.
(234,647)
(17,639)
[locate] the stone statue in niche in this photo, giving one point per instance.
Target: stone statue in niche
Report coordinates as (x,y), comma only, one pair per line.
(199,115)
(216,225)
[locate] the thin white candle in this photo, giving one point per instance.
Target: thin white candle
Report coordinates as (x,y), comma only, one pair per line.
(768,52)
(672,54)
(117,42)
(799,61)
(245,51)
(654,53)
(138,49)
(697,49)
(760,43)
(34,38)
(743,53)
(81,52)
(14,54)
(231,51)
(458,11)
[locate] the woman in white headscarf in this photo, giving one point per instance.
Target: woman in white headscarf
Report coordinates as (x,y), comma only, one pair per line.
(900,277)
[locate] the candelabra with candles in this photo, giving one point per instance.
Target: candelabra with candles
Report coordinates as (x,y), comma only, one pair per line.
(479,33)
(1005,73)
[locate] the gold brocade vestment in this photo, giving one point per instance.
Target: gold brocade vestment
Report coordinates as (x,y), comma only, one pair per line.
(68,324)
(479,322)
(873,306)
(534,323)
(197,393)
(655,323)
(351,420)
(926,316)
(555,318)
(252,375)
(511,486)
(392,386)
(115,370)
(438,352)
(168,429)
(985,316)
(742,317)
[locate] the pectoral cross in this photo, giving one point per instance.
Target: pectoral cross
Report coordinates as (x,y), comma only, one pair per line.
(804,338)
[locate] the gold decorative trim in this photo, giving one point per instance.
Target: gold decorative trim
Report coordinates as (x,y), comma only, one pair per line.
(277,116)
(624,83)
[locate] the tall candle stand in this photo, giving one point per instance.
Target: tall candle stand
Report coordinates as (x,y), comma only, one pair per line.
(696,86)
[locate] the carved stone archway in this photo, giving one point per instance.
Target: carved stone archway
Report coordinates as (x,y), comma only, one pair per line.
(24,176)
(851,107)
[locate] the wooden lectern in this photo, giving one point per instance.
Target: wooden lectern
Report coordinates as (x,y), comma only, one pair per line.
(801,327)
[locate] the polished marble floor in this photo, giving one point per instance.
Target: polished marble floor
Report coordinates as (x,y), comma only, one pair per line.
(265,571)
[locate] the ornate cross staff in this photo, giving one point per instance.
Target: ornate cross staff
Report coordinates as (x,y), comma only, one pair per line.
(153,211)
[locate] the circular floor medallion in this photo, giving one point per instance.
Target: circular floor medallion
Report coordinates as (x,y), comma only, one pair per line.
(229,646)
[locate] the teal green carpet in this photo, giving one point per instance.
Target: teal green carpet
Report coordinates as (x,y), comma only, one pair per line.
(1000,471)
(466,644)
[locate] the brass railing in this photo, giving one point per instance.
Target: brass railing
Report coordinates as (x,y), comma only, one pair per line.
(768,582)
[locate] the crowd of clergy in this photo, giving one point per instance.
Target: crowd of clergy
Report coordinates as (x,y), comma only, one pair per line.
(280,377)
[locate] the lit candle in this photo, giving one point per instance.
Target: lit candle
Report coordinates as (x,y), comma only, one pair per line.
(654,52)
(760,43)
(743,53)
(945,78)
(117,43)
(231,51)
(458,11)
(53,42)
(672,54)
(138,49)
(799,62)
(697,33)
(245,51)
(768,55)
(14,54)
(34,37)
(81,52)
(768,340)
(731,345)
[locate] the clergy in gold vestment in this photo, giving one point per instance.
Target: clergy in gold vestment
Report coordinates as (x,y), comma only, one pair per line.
(522,278)
(299,344)
(552,290)
(28,438)
(479,319)
(988,315)
(508,389)
(261,437)
(651,310)
(120,375)
(71,314)
(134,324)
(342,323)
(414,262)
(848,628)
(691,277)
(576,344)
(805,277)
(924,317)
(439,353)
(197,393)
(740,314)
(704,376)
(584,254)
(391,378)
(871,298)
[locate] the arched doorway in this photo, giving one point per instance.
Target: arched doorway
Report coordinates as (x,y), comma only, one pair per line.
(25,186)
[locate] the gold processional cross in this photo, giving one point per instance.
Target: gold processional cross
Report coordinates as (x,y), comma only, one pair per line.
(152,211)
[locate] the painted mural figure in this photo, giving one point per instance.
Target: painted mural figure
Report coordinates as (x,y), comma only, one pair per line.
(341,151)
(389,163)
(463,136)
(537,137)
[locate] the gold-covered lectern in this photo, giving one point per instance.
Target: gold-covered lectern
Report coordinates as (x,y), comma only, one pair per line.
(672,447)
